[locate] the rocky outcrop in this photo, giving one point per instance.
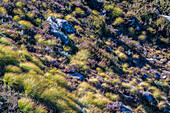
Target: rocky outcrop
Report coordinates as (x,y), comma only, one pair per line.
(57,25)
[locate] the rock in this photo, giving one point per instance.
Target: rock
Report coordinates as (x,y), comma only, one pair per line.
(1,103)
(145,76)
(149,98)
(109,50)
(61,35)
(157,76)
(125,109)
(128,98)
(164,77)
(151,59)
(116,31)
(133,21)
(66,26)
(60,24)
(95,4)
(76,75)
(136,62)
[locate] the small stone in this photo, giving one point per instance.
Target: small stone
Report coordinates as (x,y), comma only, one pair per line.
(145,76)
(164,77)
(157,76)
(125,109)
(109,50)
(76,75)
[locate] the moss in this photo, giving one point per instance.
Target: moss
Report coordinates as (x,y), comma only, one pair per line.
(27,66)
(13,69)
(25,23)
(3,10)
(118,21)
(26,105)
(117,12)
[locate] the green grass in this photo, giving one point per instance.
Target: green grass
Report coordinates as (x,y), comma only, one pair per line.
(5,41)
(13,69)
(26,105)
(28,66)
(8,55)
(25,23)
(3,10)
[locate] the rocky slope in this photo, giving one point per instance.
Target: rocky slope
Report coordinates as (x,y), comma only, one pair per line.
(87,56)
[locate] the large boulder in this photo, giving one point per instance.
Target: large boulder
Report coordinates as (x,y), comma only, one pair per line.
(65,26)
(56,27)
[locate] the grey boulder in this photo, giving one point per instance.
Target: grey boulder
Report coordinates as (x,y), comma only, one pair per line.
(125,109)
(76,75)
(57,25)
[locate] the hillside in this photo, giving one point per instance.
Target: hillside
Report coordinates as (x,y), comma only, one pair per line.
(84,56)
